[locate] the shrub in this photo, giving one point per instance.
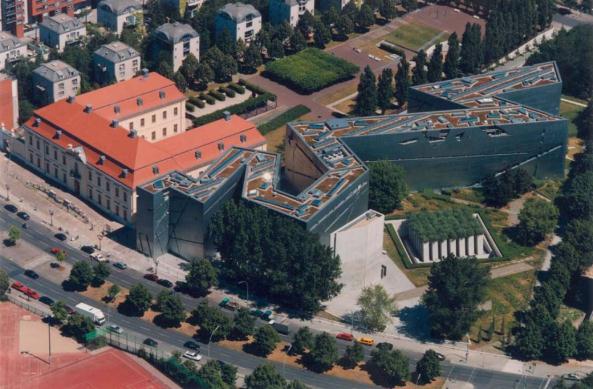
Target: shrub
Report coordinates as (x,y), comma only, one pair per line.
(190,107)
(237,88)
(286,117)
(391,48)
(237,109)
(209,99)
(227,91)
(200,103)
(310,70)
(252,87)
(217,95)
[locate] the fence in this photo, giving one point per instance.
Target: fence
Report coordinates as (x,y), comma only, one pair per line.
(18,300)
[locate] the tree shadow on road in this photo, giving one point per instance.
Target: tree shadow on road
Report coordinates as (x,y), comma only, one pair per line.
(415,323)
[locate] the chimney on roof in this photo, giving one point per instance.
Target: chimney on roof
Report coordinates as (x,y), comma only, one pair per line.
(116,108)
(71,99)
(221,146)
(37,122)
(227,115)
(243,138)
(145,72)
(101,159)
(124,173)
(58,134)
(162,94)
(114,123)
(88,108)
(133,133)
(139,101)
(198,154)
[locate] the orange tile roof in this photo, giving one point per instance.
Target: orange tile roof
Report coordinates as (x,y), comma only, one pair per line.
(97,137)
(125,95)
(6,103)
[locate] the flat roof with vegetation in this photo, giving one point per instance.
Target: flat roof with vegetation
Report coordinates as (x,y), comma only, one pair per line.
(442,225)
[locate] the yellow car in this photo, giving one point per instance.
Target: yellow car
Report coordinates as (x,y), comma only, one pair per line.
(366,341)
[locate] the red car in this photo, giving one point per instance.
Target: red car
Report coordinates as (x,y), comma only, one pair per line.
(151,277)
(55,250)
(345,336)
(26,290)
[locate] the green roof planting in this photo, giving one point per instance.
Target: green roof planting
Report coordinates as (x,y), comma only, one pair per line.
(442,225)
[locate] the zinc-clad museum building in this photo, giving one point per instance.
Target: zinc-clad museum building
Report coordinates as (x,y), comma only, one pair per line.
(456,133)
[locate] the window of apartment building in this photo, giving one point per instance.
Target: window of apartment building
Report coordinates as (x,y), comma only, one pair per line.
(64,177)
(175,128)
(55,171)
(75,81)
(99,181)
(175,111)
(125,212)
(107,186)
(90,176)
(154,118)
(131,126)
(61,85)
(30,157)
(55,154)
(153,135)
(122,66)
(90,193)
(117,191)
(63,159)
(99,198)
(46,167)
(164,131)
(30,139)
(38,162)
(142,122)
(46,147)
(164,114)
(37,144)
(135,62)
(117,209)
(125,196)
(108,204)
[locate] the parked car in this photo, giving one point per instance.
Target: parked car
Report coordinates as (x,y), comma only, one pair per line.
(150,342)
(55,250)
(345,336)
(151,277)
(256,312)
(440,356)
(69,309)
(366,341)
(571,377)
(46,300)
(193,355)
(54,265)
(268,315)
(281,328)
(115,328)
(60,236)
(31,274)
(11,208)
(191,345)
(88,249)
(165,283)
(120,265)
(23,215)
(26,290)
(98,257)
(224,302)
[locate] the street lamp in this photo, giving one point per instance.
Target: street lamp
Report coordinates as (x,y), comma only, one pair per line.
(286,356)
(246,285)
(210,340)
(48,318)
(100,237)
(51,217)
(7,192)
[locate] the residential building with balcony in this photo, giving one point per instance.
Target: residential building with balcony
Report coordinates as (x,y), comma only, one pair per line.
(289,10)
(61,30)
(11,49)
(242,21)
(40,9)
(179,40)
(117,14)
(55,80)
(115,61)
(85,143)
(14,16)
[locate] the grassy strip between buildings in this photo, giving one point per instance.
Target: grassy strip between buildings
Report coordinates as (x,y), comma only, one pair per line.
(412,36)
(286,117)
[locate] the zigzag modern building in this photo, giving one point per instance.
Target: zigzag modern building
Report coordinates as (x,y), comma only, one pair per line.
(468,129)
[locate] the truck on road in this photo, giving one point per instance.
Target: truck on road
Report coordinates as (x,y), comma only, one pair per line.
(95,314)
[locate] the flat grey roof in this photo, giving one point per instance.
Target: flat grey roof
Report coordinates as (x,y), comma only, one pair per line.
(56,71)
(9,42)
(116,52)
(61,23)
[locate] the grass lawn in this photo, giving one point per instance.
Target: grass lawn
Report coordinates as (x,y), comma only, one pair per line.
(467,194)
(310,70)
(414,36)
(549,188)
(570,112)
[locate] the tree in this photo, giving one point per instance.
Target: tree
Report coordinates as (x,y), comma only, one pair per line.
(584,340)
(387,186)
(385,89)
(456,286)
(376,308)
(498,191)
(576,200)
(451,65)
(201,276)
(391,365)
(410,5)
(419,75)
(204,74)
(101,272)
(211,373)
(228,373)
(252,59)
(435,65)
(225,42)
(365,17)
(297,41)
(4,282)
(81,275)
(59,312)
(113,291)
(428,367)
(213,323)
(344,26)
(584,122)
(180,81)
(471,51)
(305,23)
(324,352)
(25,110)
(276,49)
(171,308)
(138,300)
(243,324)
(266,339)
(302,340)
(322,35)
(189,67)
(387,9)
(61,256)
(366,100)
(353,355)
(223,65)
(296,385)
(402,82)
(265,377)
(561,342)
(78,326)
(131,37)
(537,218)
(14,234)
(529,342)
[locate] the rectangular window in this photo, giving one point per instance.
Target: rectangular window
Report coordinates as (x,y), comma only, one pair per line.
(154,118)
(99,181)
(90,175)
(108,204)
(175,111)
(153,135)
(30,139)
(131,126)
(46,148)
(37,144)
(63,159)
(107,186)
(55,172)
(125,196)
(175,128)
(90,193)
(125,212)
(164,114)
(117,191)
(142,122)
(117,209)
(164,132)
(55,154)
(99,198)
(64,177)
(30,157)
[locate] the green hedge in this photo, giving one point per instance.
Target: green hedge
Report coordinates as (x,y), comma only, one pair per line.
(237,109)
(281,120)
(252,87)
(217,95)
(391,49)
(237,88)
(227,91)
(310,70)
(190,107)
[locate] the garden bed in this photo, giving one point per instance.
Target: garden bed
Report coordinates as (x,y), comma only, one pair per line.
(284,118)
(310,70)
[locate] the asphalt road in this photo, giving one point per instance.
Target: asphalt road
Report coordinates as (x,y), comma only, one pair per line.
(42,237)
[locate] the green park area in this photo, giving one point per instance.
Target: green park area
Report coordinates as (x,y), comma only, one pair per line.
(415,36)
(310,70)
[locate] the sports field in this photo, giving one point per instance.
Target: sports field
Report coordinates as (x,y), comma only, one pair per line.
(414,36)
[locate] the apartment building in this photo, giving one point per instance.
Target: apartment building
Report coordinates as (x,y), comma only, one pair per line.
(40,9)
(9,96)
(55,80)
(86,144)
(178,39)
(11,49)
(61,30)
(242,21)
(115,61)
(289,10)
(117,14)
(14,16)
